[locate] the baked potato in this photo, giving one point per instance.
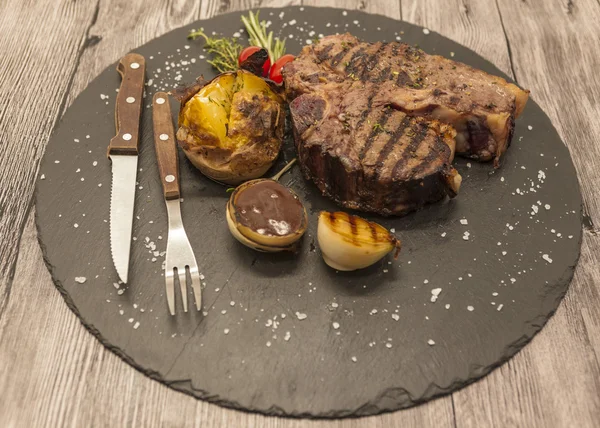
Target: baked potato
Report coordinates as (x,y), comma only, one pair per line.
(231,128)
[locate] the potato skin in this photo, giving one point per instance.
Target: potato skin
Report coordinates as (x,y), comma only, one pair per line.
(232,128)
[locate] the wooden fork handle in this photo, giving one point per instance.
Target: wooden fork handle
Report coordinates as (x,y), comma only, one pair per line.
(166,147)
(128,109)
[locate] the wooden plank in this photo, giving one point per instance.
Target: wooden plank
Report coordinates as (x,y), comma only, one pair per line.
(474,24)
(40,48)
(555,50)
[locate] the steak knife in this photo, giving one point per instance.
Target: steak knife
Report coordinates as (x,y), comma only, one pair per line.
(123,153)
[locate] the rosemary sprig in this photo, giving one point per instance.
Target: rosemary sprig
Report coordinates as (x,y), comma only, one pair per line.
(225,51)
(257,31)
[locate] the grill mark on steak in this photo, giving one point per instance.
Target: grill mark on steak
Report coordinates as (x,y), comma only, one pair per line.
(370,63)
(389,146)
(352,67)
(338,57)
(367,111)
(323,54)
(403,79)
(430,157)
(375,131)
(415,141)
(383,75)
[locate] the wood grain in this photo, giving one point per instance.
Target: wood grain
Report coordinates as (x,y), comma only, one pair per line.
(30,101)
(166,150)
(54,373)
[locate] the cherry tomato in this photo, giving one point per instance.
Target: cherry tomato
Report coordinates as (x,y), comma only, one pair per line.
(251,50)
(275,74)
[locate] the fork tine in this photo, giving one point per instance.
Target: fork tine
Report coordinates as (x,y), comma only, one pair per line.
(170,284)
(195,275)
(183,287)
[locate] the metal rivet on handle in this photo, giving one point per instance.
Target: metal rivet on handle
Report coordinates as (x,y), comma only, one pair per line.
(135,65)
(130,100)
(164,137)
(160,100)
(127,137)
(170,178)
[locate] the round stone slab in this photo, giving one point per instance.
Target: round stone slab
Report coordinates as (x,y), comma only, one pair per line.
(284,334)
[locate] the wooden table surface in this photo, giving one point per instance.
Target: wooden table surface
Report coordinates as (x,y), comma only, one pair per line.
(54,373)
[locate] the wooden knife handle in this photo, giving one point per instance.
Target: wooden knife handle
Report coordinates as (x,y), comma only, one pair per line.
(128,109)
(165,144)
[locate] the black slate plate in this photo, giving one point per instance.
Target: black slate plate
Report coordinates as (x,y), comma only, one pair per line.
(250,350)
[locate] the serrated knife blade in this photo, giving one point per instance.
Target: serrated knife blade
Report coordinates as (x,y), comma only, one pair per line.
(122,197)
(123,153)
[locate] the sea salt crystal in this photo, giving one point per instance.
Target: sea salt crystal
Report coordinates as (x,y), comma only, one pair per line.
(464,221)
(136,325)
(300,315)
(268,344)
(121,311)
(43,177)
(500,306)
(130,320)
(430,342)
(547,258)
(466,236)
(75,225)
(513,280)
(435,294)
(547,206)
(388,345)
(226,331)
(443,234)
(470,308)
(373,312)
(395,317)
(426,31)
(121,291)
(80,279)
(353,359)
(529,127)
(287,336)
(447,306)
(336,325)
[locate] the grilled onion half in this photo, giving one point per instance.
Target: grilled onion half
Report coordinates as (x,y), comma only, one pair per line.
(350,242)
(266,216)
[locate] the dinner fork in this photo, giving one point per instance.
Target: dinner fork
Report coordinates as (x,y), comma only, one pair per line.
(180,256)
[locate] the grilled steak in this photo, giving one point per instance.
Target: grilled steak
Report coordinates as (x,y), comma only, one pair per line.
(376,125)
(481,107)
(385,162)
